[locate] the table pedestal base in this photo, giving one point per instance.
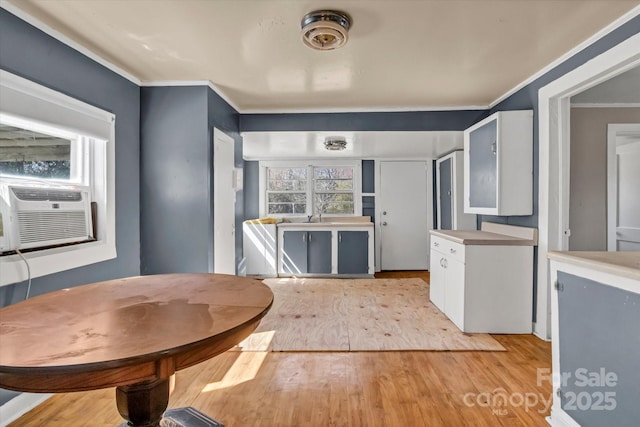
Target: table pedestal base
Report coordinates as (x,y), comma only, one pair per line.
(144,404)
(187,417)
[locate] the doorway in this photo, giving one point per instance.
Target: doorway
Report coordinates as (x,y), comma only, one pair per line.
(224,201)
(623,178)
(553,116)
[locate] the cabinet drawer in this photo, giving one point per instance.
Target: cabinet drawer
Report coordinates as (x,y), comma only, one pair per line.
(451,249)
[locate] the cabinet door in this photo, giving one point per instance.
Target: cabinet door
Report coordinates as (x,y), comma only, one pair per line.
(353,252)
(444,194)
(437,280)
(483,166)
(319,252)
(294,257)
(454,291)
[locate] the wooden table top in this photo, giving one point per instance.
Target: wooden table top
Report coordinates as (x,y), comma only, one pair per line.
(125,331)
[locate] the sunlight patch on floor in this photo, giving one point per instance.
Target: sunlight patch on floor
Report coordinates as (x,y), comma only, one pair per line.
(244,369)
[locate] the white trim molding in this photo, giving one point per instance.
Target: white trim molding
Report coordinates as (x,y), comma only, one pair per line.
(554,110)
(20,405)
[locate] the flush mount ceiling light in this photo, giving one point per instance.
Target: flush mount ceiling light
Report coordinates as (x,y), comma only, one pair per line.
(325,29)
(335,143)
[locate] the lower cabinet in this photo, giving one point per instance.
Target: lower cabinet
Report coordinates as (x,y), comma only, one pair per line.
(483,288)
(353,252)
(259,247)
(325,250)
(307,252)
(595,305)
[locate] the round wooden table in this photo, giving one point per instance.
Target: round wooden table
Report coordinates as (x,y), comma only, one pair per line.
(131,333)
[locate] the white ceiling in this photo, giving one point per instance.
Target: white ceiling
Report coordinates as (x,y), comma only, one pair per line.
(401,55)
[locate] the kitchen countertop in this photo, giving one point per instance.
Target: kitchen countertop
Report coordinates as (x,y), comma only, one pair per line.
(325,224)
(626,264)
(478,237)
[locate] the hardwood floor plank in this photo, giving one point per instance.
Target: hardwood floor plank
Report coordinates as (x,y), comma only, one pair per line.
(359,389)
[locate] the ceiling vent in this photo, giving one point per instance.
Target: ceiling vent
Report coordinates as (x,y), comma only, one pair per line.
(335,143)
(325,29)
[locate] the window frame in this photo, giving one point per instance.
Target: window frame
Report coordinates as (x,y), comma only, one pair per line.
(98,172)
(310,190)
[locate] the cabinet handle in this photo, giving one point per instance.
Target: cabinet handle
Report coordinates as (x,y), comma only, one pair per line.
(453,251)
(304,237)
(442,262)
(310,236)
(446,263)
(339,237)
(436,244)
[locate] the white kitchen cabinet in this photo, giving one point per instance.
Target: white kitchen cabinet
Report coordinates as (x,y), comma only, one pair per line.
(483,281)
(498,164)
(260,249)
(450,194)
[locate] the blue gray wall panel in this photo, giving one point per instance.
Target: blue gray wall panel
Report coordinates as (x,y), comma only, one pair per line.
(175,173)
(383,121)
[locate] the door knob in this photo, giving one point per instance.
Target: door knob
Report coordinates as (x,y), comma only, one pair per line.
(384,223)
(384,212)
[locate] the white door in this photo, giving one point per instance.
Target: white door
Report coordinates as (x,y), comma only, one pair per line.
(404,214)
(224,200)
(623,213)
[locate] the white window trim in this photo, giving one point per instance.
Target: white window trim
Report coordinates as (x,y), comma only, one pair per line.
(102,181)
(357,183)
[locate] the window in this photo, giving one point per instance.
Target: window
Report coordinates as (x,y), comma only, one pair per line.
(50,139)
(27,153)
(324,188)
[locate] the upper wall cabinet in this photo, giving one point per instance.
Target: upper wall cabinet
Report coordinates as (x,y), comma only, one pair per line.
(450,194)
(498,165)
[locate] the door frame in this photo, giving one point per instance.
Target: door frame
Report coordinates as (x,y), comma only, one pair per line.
(219,137)
(614,132)
(554,136)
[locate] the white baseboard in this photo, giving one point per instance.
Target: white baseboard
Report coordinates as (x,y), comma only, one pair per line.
(561,419)
(20,405)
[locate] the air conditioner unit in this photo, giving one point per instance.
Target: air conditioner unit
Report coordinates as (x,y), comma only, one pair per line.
(38,216)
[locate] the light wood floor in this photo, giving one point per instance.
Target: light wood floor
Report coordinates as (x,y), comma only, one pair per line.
(407,388)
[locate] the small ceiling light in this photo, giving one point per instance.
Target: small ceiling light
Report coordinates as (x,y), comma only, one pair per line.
(335,143)
(325,29)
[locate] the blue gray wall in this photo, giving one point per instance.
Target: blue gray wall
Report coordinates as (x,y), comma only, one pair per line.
(176,170)
(175,167)
(28,52)
(390,121)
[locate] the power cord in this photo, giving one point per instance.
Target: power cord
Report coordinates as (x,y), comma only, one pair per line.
(28,273)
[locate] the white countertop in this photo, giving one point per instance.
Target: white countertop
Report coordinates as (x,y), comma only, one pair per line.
(626,264)
(325,224)
(478,237)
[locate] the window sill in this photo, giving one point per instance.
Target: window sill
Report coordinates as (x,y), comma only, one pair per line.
(54,260)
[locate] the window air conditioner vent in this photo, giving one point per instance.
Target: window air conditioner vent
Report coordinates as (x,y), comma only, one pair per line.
(38,226)
(47,194)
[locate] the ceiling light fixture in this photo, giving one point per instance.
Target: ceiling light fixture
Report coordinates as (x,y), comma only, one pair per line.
(335,143)
(325,29)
